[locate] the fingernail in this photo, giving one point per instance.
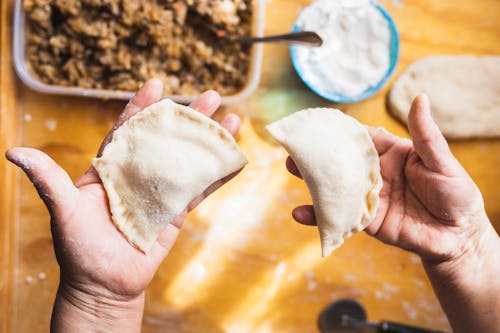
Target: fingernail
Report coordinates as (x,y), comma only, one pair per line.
(155,81)
(211,96)
(380,129)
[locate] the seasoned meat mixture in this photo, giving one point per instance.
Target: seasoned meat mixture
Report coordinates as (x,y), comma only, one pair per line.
(119,44)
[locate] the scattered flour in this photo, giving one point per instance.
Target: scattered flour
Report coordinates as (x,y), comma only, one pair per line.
(389,288)
(381,295)
(51,124)
(355,54)
(280,270)
(199,271)
(350,277)
(311,285)
(410,310)
(398,3)
(419,283)
(30,280)
(414,259)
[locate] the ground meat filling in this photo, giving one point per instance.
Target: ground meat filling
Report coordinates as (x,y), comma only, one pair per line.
(119,44)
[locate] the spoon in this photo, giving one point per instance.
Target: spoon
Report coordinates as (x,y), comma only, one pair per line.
(307,38)
(348,316)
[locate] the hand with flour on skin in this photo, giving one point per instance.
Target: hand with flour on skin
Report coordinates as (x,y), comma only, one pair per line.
(429,205)
(102,276)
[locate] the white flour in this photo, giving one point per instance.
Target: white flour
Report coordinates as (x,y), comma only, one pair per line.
(355,52)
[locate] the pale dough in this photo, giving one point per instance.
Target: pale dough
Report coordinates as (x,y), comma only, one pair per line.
(158,162)
(340,165)
(464,93)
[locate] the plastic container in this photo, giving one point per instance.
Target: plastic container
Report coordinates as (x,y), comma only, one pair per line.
(339,98)
(31,81)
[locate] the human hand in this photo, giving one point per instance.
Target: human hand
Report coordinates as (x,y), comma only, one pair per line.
(428,203)
(98,266)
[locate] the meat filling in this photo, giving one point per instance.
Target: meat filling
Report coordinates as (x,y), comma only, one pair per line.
(119,44)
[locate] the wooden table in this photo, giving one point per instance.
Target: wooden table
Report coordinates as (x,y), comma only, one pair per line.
(240,264)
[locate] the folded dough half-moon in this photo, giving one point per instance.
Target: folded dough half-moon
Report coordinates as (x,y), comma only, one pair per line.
(340,165)
(157,162)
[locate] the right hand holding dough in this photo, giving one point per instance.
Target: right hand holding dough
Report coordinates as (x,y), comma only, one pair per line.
(428,203)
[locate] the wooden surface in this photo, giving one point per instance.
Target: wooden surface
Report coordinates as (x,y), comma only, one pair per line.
(9,186)
(240,264)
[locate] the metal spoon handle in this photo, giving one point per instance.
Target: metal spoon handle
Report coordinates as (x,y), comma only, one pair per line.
(308,38)
(391,327)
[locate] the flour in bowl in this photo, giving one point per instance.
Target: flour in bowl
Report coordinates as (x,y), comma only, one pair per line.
(355,54)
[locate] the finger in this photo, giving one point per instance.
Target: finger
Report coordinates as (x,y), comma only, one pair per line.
(149,93)
(168,236)
(164,243)
(207,103)
(52,183)
(393,152)
(384,140)
(231,123)
(89,177)
(304,215)
(292,167)
(211,189)
(428,140)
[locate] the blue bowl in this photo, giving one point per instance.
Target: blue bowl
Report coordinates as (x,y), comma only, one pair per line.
(339,98)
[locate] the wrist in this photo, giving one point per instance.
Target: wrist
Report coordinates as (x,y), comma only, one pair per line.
(467,286)
(76,310)
(480,253)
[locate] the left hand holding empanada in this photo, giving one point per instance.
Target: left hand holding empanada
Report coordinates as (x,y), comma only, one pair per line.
(101,273)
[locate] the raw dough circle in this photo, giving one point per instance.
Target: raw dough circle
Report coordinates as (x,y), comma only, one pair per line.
(464,93)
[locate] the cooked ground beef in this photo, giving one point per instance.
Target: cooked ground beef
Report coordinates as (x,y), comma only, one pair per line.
(119,44)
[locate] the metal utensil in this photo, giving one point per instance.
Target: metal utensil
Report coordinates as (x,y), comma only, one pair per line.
(308,38)
(209,30)
(348,316)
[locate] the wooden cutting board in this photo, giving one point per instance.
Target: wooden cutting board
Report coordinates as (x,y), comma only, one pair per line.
(240,264)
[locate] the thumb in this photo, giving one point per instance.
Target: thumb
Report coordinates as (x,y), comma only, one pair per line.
(429,142)
(52,183)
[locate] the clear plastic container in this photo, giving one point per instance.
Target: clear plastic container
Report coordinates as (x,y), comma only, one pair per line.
(31,81)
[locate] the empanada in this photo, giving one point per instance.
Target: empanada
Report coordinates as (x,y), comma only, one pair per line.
(157,162)
(340,165)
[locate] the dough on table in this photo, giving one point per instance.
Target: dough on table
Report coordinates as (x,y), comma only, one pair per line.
(157,162)
(464,93)
(340,165)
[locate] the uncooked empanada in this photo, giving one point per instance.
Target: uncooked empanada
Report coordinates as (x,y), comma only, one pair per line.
(157,162)
(340,165)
